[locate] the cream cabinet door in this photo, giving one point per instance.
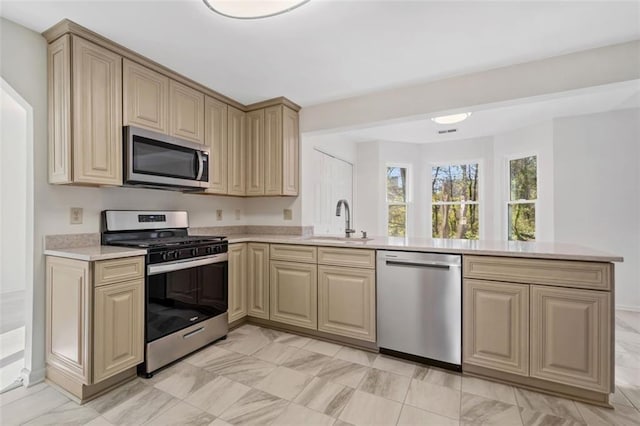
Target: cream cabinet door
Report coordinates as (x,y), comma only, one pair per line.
(236,155)
(215,137)
(496,326)
(118,328)
(347,302)
(294,294)
(290,151)
(186,112)
(68,311)
(59,110)
(255,152)
(258,280)
(273,150)
(571,337)
(237,281)
(97,114)
(145,97)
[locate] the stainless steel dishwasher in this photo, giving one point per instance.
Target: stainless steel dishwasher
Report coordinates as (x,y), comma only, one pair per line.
(419,299)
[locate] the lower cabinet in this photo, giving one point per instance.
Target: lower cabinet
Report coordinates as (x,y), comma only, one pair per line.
(294,294)
(550,328)
(237,281)
(258,280)
(347,302)
(571,337)
(284,283)
(118,328)
(496,326)
(94,322)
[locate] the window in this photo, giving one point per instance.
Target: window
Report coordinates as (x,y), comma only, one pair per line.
(454,202)
(523,194)
(397,201)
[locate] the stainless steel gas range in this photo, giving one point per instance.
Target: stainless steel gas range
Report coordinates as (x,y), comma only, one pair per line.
(186,290)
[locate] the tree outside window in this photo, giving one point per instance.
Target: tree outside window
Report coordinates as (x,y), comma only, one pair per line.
(397,201)
(523,196)
(455,209)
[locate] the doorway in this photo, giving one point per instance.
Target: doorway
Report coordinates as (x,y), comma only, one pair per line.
(16,234)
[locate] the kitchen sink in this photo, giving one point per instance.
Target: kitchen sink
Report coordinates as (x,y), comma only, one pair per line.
(339,240)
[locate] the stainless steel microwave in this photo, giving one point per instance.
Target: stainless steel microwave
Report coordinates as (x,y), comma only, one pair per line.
(156,160)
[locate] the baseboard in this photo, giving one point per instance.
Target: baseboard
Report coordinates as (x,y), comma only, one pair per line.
(627,308)
(31,378)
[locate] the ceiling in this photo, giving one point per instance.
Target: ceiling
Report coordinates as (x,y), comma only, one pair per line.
(327,50)
(491,120)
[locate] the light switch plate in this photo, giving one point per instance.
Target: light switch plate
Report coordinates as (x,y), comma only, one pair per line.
(218,214)
(75,215)
(237,214)
(287,214)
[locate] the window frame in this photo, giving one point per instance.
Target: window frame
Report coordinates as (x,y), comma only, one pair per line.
(481,193)
(408,196)
(506,191)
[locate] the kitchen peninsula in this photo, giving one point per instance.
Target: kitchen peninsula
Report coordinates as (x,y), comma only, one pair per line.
(526,306)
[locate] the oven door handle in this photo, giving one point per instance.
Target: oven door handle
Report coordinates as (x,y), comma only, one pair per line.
(186,264)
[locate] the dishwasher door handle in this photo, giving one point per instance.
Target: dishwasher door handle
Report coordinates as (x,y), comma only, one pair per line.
(437,265)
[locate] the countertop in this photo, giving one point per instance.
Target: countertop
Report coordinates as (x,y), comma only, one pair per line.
(92,253)
(539,250)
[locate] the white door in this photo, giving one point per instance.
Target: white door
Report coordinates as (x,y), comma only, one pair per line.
(334,181)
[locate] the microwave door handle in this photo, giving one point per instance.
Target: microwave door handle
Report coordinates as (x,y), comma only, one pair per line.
(200,165)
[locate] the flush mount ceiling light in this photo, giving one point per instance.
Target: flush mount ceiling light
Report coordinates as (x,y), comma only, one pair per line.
(252,9)
(451,119)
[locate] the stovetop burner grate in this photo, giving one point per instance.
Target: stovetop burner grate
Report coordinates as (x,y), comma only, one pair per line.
(169,241)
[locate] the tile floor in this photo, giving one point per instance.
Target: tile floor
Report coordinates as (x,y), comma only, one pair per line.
(262,376)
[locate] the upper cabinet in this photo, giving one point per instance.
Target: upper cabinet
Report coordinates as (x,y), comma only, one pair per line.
(85,113)
(290,151)
(186,112)
(255,152)
(96,87)
(236,151)
(215,137)
(272,151)
(145,97)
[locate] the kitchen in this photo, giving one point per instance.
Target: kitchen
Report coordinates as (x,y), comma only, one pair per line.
(53,202)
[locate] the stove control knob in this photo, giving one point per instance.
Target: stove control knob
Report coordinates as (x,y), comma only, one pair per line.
(164,256)
(172,255)
(194,252)
(209,250)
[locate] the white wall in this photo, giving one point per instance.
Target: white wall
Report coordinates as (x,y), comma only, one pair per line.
(536,140)
(597,196)
(23,65)
(369,183)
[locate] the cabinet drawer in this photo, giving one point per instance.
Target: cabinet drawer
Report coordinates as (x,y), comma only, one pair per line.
(293,253)
(118,270)
(561,273)
(356,258)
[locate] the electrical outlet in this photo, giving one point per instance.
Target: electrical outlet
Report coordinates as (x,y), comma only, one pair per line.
(287,214)
(237,214)
(218,214)
(75,215)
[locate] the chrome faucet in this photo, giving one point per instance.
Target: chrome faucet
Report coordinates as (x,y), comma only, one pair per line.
(347,219)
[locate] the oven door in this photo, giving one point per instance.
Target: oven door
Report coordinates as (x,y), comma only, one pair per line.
(182,293)
(156,159)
